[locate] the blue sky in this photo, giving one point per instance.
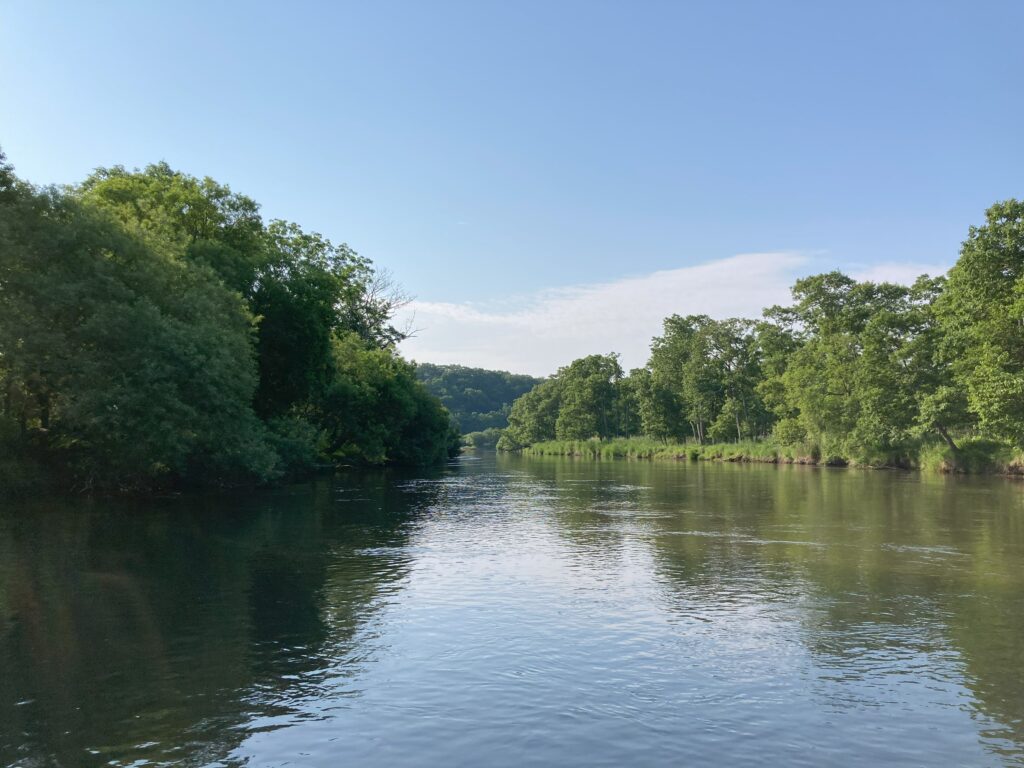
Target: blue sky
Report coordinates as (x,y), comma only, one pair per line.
(497,157)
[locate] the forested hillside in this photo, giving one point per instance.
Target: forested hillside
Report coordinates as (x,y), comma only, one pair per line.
(478,399)
(873,373)
(154,329)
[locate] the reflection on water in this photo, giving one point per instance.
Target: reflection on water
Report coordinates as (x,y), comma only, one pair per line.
(512,611)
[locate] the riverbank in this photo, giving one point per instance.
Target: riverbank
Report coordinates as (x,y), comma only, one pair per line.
(974,456)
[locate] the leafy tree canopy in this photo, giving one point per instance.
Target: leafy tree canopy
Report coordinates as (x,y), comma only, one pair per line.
(853,369)
(153,329)
(478,399)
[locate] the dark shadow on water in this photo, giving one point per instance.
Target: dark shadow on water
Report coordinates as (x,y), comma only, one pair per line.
(134,630)
(174,630)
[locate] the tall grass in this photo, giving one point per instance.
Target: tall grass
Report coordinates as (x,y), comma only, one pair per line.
(617,448)
(647,448)
(975,455)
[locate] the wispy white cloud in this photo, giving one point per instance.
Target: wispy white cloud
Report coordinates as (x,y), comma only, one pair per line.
(539,333)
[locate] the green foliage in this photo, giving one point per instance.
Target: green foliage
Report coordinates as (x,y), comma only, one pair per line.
(698,366)
(874,374)
(588,395)
(982,315)
(628,400)
(863,377)
(154,330)
(203,220)
(532,417)
(658,411)
(304,297)
(125,360)
(616,448)
(145,313)
(583,400)
(646,448)
(789,431)
(376,411)
(297,443)
(726,424)
(486,439)
(973,456)
(478,399)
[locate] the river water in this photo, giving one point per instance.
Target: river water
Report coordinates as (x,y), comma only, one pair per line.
(514,612)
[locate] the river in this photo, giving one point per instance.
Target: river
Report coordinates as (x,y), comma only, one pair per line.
(507,611)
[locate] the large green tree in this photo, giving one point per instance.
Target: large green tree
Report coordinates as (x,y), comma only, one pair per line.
(533,416)
(866,371)
(700,369)
(122,360)
(375,410)
(982,315)
(149,319)
(211,224)
(587,406)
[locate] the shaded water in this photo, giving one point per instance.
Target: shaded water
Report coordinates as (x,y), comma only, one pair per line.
(513,611)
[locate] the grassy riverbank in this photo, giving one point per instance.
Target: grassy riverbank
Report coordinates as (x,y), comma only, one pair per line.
(974,456)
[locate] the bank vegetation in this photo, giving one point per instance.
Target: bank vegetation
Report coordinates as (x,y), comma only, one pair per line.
(156,331)
(929,375)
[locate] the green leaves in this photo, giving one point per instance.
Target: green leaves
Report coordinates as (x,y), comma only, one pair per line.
(477,398)
(143,315)
(374,410)
(981,312)
(697,366)
(583,400)
(131,363)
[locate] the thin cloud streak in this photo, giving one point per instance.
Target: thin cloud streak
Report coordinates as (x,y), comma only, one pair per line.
(552,328)
(538,334)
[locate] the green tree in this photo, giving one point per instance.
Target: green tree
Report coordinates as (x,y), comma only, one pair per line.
(587,406)
(865,366)
(308,291)
(144,313)
(478,399)
(699,364)
(533,416)
(981,313)
(628,399)
(659,412)
(120,360)
(212,225)
(375,410)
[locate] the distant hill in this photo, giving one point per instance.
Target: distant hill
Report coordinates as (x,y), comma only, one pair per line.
(479,399)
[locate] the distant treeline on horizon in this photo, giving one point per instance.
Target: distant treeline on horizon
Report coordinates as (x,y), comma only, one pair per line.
(478,399)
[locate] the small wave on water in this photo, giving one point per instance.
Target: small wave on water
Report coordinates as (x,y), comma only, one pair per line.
(515,612)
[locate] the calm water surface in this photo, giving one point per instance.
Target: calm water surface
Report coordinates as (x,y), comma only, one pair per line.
(511,612)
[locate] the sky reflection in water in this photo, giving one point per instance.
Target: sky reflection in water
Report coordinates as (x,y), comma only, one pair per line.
(522,612)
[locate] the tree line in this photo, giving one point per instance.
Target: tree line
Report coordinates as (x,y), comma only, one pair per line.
(478,399)
(155,329)
(852,370)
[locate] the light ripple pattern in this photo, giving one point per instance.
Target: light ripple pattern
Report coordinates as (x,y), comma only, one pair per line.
(506,611)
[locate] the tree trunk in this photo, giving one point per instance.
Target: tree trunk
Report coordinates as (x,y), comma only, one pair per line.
(945,436)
